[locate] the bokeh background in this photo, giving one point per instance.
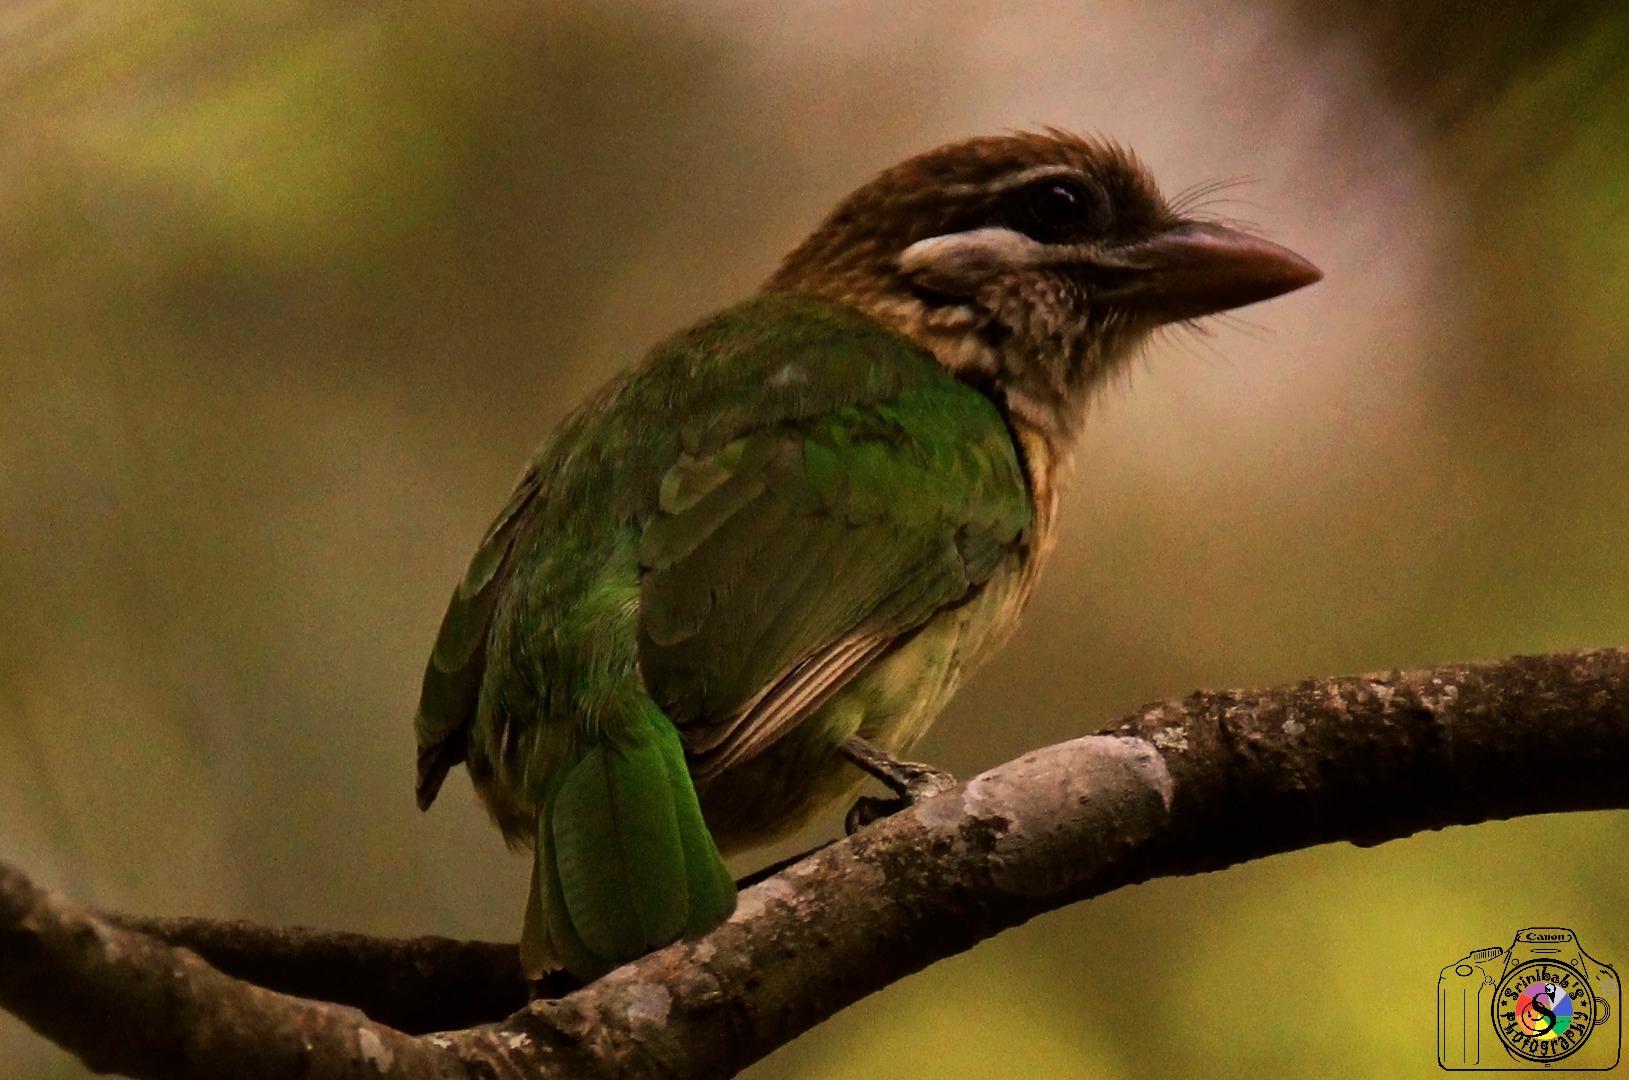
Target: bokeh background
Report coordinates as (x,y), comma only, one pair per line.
(288,292)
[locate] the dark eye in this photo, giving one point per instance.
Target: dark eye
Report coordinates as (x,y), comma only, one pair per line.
(1057,210)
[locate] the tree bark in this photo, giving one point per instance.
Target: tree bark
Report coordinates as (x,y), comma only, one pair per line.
(1179,787)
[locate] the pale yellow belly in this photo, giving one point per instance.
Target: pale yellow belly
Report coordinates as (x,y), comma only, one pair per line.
(892,705)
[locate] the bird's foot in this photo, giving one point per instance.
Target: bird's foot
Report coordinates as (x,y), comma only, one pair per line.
(910,781)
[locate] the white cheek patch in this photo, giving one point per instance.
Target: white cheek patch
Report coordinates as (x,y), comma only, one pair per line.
(959,263)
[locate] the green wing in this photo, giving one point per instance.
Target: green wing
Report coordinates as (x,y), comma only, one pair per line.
(784,563)
(450,693)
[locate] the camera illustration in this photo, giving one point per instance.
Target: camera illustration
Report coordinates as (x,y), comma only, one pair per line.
(1543,1004)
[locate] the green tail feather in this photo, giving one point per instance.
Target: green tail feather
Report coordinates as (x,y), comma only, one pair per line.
(625,863)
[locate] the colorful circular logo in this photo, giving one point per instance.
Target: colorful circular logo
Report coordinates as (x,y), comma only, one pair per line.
(1542,1010)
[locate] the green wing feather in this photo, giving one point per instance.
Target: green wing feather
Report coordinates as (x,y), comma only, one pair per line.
(782,564)
(450,694)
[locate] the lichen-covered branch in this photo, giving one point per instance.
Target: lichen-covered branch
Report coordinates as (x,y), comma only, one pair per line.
(1179,787)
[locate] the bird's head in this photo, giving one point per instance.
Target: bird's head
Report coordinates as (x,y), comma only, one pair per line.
(1031,265)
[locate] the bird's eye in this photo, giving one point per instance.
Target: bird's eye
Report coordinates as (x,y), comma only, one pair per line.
(1058,209)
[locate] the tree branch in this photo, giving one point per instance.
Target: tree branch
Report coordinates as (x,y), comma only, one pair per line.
(1179,787)
(125,1002)
(415,984)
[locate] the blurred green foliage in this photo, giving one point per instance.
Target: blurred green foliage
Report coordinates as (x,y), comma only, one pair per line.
(288,291)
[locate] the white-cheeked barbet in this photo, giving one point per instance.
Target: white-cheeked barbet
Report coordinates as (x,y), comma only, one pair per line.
(806,518)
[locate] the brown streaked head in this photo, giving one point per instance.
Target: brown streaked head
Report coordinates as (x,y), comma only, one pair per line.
(1031,264)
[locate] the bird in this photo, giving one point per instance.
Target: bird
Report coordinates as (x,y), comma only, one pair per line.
(773,549)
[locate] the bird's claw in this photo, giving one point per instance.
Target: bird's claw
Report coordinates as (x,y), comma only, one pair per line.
(868,809)
(922,781)
(910,781)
